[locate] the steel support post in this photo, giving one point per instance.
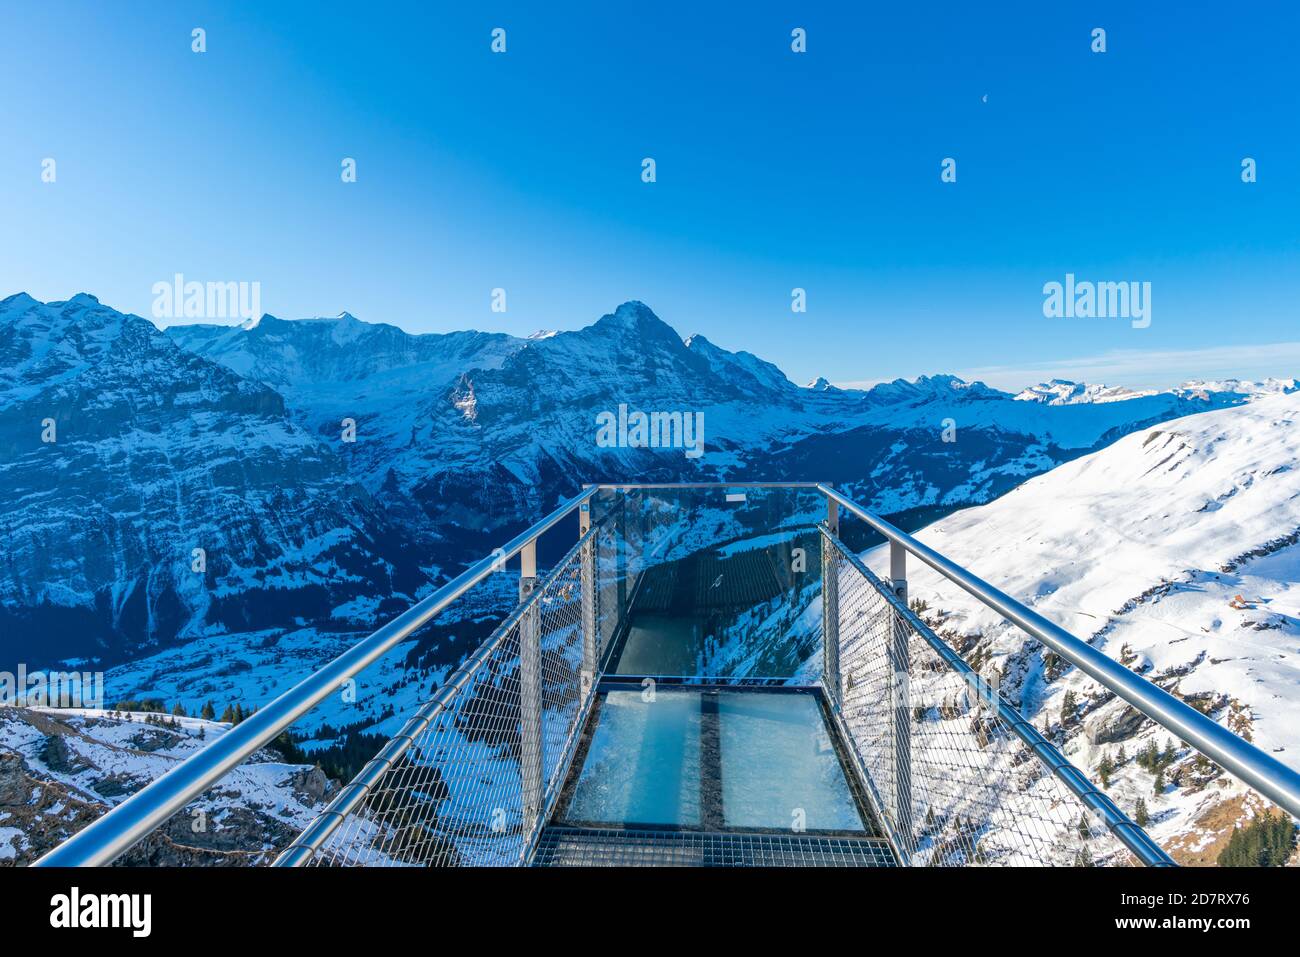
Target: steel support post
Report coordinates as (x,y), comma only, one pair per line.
(530,695)
(831,607)
(635,541)
(589,599)
(621,560)
(900,665)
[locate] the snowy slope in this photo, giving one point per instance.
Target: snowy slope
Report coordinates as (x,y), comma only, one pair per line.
(1175,550)
(59,770)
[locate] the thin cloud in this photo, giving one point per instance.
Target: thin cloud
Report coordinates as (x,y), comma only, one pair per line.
(1136,368)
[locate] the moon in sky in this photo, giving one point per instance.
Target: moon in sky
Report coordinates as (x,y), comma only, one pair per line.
(984,98)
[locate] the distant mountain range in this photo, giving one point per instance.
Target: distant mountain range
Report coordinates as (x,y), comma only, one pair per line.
(331,470)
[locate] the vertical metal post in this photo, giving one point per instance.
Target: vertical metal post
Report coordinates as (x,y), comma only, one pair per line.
(589,597)
(530,696)
(900,666)
(831,606)
(635,540)
(620,558)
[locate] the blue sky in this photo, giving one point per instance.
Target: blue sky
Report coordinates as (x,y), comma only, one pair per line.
(775,170)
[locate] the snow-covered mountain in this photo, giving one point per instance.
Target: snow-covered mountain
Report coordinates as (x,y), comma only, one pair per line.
(463,434)
(125,449)
(1249,387)
(151,495)
(1176,550)
(1065,392)
(237,440)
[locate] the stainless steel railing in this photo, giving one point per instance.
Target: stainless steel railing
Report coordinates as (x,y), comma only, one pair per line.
(469,780)
(955,772)
(1259,770)
(122,827)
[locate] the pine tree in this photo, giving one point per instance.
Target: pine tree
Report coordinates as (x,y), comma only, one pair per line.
(239,713)
(208,712)
(179,710)
(1122,756)
(228,716)
(1140,814)
(1104,770)
(1149,757)
(1159,786)
(1068,706)
(1266,841)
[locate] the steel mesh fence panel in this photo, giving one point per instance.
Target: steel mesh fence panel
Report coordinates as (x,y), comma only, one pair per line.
(471,777)
(955,783)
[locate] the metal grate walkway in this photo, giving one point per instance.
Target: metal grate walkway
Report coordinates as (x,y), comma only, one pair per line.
(613,847)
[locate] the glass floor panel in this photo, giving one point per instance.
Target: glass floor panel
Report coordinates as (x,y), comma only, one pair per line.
(717,760)
(780,768)
(642,762)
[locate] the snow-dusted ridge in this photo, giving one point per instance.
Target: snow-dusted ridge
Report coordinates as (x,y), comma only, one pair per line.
(238,440)
(1175,550)
(1066,392)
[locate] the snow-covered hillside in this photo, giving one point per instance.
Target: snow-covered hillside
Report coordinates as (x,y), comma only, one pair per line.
(1177,551)
(61,769)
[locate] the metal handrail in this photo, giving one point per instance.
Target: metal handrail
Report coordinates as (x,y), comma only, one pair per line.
(306,844)
(122,827)
(1117,822)
(1261,771)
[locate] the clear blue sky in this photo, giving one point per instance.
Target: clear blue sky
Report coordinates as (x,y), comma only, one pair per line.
(775,170)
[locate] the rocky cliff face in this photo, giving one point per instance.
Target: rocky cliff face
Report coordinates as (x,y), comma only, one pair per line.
(152,495)
(60,770)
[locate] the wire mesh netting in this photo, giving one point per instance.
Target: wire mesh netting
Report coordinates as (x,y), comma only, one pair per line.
(957,777)
(471,774)
(957,785)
